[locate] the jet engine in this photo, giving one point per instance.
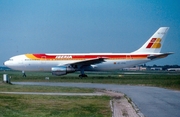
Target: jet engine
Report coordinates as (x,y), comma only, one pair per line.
(62,70)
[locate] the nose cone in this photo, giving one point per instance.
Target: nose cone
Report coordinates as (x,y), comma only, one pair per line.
(5,63)
(9,64)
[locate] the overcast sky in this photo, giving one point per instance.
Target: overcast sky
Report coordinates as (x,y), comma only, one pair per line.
(87,26)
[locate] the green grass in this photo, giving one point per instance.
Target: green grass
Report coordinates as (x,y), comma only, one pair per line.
(55,89)
(15,105)
(169,80)
(54,106)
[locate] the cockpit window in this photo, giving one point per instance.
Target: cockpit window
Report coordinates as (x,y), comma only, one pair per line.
(10,59)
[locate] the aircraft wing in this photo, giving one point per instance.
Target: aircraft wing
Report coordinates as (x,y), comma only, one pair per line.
(89,62)
(159,55)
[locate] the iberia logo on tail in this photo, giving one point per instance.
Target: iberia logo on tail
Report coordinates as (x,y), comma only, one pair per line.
(154,43)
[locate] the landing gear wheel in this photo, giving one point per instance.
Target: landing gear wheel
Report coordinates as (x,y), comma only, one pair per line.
(83,75)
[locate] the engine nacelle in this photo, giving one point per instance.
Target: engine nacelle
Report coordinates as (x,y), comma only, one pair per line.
(62,70)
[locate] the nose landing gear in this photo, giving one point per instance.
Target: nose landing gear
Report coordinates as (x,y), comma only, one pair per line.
(24,74)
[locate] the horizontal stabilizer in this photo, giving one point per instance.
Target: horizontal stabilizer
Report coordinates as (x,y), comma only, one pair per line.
(159,55)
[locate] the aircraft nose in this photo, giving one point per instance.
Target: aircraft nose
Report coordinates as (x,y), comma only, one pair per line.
(5,63)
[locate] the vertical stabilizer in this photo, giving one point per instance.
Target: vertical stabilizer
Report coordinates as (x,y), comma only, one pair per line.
(154,44)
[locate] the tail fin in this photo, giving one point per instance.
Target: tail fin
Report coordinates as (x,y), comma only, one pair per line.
(154,44)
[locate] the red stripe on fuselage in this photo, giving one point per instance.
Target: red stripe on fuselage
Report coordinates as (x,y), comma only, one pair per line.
(76,57)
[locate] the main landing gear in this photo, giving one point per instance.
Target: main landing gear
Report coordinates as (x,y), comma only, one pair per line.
(83,75)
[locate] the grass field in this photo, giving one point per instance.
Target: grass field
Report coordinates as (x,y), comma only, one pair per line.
(14,105)
(54,106)
(169,80)
(72,106)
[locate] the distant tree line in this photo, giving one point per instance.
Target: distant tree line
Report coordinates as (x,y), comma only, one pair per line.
(165,67)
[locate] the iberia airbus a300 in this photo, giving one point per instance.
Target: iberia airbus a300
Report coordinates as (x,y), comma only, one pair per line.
(61,64)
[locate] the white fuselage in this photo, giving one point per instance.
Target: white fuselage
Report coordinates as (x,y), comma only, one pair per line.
(22,62)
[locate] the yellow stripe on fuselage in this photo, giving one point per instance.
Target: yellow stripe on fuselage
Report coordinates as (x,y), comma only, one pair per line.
(30,56)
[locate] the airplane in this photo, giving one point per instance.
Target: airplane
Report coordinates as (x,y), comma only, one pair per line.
(62,64)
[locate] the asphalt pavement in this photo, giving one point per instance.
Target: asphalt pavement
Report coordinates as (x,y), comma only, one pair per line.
(152,101)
